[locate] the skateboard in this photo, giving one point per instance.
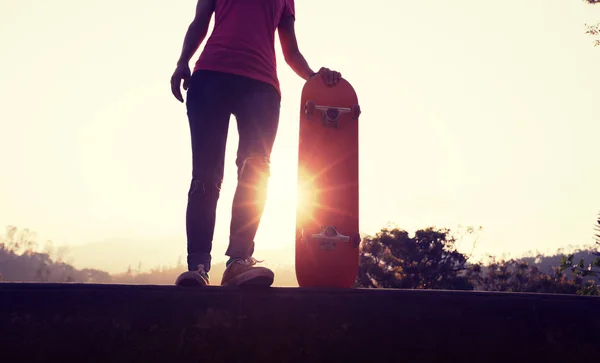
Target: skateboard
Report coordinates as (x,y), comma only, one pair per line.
(327,219)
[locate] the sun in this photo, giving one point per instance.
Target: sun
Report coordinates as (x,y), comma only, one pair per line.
(278,221)
(284,199)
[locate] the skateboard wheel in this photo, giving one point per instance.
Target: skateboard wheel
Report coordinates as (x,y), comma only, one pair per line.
(355,111)
(309,109)
(355,240)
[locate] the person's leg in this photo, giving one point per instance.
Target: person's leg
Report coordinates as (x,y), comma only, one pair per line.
(256,107)
(208,110)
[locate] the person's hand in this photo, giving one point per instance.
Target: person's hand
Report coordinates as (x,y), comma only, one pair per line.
(182,72)
(330,77)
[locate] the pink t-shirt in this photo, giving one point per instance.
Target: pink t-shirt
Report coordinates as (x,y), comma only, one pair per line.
(243,39)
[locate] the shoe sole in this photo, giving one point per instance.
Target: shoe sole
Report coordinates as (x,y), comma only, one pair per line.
(251,280)
(188,279)
(189,283)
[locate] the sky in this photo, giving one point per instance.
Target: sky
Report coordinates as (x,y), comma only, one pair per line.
(473,114)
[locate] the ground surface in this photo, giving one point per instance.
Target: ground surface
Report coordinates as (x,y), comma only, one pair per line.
(133,323)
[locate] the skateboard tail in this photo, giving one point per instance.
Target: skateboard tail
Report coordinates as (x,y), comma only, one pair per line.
(327,261)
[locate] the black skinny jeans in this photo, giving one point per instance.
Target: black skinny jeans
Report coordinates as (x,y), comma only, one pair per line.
(211,99)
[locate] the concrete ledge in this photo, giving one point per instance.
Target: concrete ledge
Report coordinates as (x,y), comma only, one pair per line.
(141,323)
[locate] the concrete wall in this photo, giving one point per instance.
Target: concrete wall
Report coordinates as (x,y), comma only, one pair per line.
(133,323)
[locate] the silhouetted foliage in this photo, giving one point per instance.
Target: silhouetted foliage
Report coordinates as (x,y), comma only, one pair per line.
(597,228)
(429,260)
(590,270)
(594,29)
(519,276)
(20,262)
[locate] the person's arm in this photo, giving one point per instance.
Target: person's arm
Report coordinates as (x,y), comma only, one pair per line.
(294,58)
(291,52)
(193,38)
(197,30)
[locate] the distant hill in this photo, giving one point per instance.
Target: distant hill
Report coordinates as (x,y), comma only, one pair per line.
(116,256)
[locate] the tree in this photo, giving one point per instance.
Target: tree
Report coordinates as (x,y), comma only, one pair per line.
(519,276)
(21,242)
(429,260)
(597,227)
(592,269)
(594,29)
(19,261)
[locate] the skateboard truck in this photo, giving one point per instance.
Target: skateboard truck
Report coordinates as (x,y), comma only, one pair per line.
(329,114)
(329,236)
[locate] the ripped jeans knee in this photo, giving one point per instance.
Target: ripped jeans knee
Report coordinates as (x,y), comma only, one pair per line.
(254,169)
(204,187)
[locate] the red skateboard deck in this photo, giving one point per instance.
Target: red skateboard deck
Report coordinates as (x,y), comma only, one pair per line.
(327,220)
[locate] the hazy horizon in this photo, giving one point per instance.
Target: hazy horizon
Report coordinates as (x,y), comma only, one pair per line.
(474,114)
